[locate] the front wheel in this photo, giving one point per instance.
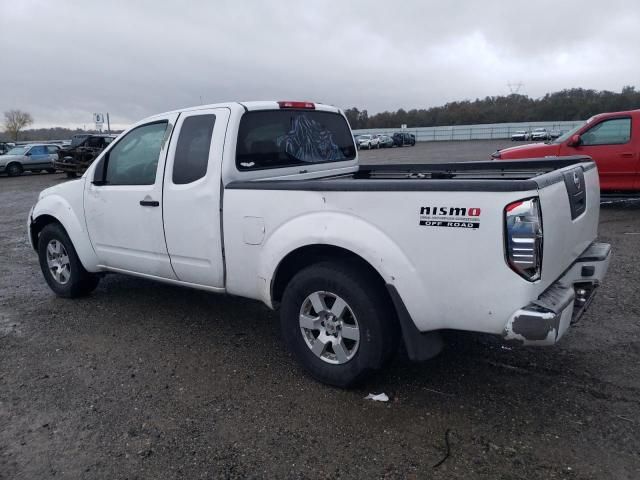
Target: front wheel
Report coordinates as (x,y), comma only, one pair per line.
(337,321)
(61,266)
(14,169)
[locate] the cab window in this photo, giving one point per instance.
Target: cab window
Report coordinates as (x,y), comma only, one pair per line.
(95,142)
(287,138)
(609,132)
(134,159)
(192,151)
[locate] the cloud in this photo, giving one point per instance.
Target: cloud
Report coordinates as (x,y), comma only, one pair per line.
(65,60)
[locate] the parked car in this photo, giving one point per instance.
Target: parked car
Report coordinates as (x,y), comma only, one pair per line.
(81,152)
(368,141)
(540,134)
(521,135)
(553,134)
(401,139)
(32,157)
(267,200)
(385,141)
(611,139)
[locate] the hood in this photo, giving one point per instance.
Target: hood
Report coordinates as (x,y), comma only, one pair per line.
(532,150)
(66,189)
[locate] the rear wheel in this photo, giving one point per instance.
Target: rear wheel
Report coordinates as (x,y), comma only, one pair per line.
(51,170)
(61,266)
(338,323)
(14,169)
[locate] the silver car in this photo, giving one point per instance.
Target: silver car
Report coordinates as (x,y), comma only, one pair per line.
(540,134)
(33,157)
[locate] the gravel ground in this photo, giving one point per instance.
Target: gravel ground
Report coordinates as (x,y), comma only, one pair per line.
(144,380)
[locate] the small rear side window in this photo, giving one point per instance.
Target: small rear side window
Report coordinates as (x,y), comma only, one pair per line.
(284,138)
(192,152)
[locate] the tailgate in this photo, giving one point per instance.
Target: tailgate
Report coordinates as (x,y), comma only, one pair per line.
(570,205)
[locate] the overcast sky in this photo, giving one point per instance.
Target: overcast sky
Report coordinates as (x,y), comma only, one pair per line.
(63,60)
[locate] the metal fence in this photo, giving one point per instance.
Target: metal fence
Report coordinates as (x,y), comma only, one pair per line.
(486,131)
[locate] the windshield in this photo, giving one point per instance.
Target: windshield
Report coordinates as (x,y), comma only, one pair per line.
(565,136)
(78,139)
(17,151)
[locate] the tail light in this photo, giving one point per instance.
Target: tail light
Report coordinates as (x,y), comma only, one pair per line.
(523,232)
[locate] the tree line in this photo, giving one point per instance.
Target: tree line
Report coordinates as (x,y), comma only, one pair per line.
(569,104)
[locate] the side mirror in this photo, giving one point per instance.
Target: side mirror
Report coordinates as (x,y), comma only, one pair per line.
(574,141)
(28,154)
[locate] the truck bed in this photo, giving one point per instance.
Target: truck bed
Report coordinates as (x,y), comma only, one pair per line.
(485,176)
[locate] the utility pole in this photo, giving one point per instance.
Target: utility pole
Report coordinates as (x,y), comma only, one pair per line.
(108,124)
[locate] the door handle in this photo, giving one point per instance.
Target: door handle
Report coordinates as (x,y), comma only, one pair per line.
(149,203)
(627,154)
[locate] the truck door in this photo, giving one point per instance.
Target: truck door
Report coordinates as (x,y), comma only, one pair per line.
(123,199)
(610,145)
(191,200)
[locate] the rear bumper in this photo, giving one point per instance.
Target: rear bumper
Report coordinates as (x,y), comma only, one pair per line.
(545,320)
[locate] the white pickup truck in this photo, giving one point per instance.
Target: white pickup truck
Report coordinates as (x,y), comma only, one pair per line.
(266,200)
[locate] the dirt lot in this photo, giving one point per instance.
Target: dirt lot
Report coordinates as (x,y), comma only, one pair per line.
(142,380)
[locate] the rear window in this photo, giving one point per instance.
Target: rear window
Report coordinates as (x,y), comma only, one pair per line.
(283,138)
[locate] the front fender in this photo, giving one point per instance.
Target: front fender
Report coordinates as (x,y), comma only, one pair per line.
(341,230)
(72,219)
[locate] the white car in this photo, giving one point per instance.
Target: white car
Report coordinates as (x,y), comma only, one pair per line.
(540,134)
(368,141)
(521,135)
(32,157)
(267,200)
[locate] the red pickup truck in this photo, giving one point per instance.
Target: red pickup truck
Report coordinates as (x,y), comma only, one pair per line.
(611,139)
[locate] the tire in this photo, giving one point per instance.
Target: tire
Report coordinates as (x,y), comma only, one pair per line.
(71,175)
(367,313)
(14,169)
(51,170)
(72,280)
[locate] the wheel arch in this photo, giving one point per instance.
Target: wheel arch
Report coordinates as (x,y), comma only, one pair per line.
(55,209)
(38,224)
(308,255)
(14,162)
